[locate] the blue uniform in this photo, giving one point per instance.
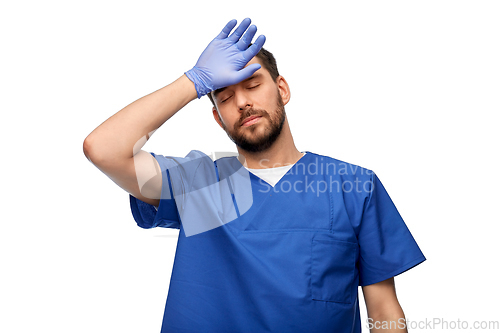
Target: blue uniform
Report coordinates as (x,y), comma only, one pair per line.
(290,262)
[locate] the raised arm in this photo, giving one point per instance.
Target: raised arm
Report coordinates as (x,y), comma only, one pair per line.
(115,146)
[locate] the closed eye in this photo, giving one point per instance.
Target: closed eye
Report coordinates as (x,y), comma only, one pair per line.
(225,99)
(254,86)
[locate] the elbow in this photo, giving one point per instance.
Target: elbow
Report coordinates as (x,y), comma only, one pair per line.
(88,150)
(86,147)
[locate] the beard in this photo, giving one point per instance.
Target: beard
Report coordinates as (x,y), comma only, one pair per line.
(258,137)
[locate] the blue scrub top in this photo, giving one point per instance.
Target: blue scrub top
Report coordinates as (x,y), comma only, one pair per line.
(290,262)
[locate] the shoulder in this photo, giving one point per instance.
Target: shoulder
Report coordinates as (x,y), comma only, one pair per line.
(193,163)
(193,157)
(335,167)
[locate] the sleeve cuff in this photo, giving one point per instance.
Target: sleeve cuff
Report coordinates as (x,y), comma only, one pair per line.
(398,271)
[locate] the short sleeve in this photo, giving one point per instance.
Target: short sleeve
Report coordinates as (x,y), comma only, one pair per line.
(166,216)
(197,194)
(387,248)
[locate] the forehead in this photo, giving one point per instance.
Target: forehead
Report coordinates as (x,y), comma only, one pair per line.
(262,69)
(254,60)
(261,72)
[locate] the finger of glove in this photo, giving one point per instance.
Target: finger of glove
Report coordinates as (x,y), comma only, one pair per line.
(240,30)
(246,72)
(252,51)
(227,29)
(247,38)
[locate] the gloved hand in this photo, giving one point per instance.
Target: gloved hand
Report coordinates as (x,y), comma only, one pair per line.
(222,62)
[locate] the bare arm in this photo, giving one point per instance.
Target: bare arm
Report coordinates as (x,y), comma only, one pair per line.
(114,147)
(384,311)
(123,134)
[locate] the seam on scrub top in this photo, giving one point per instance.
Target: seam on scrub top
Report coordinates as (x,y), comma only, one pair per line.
(325,231)
(195,172)
(172,196)
(331,211)
(372,189)
(329,241)
(365,205)
(311,269)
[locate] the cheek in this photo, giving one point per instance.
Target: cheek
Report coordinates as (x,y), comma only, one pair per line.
(270,96)
(227,119)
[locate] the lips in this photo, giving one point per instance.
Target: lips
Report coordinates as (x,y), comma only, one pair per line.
(248,119)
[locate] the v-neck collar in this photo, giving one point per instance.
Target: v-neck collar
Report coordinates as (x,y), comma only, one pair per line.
(287,172)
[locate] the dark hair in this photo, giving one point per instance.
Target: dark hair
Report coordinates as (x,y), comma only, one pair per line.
(268,62)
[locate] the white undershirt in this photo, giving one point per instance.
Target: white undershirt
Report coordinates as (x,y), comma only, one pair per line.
(271,175)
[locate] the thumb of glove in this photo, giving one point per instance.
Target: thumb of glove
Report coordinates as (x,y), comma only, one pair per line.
(246,72)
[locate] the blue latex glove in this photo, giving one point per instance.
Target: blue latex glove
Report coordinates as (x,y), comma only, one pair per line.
(223,61)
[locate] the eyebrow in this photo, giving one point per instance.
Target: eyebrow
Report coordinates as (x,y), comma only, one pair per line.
(255,76)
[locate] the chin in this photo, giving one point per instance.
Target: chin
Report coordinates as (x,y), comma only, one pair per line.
(255,133)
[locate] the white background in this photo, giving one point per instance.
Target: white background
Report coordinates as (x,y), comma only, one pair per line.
(407,89)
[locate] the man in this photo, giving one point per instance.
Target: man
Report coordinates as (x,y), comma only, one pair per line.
(271,240)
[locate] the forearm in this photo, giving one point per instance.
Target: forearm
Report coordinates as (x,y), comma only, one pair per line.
(393,322)
(125,133)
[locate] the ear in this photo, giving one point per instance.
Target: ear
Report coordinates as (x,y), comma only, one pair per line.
(217,117)
(283,89)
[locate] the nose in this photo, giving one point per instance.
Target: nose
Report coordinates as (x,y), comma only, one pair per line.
(243,101)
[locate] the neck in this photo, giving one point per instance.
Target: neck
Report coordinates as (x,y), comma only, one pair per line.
(282,152)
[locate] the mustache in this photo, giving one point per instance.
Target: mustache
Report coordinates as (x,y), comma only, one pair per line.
(252,112)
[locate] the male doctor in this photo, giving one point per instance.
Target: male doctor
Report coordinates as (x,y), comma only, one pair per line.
(274,239)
